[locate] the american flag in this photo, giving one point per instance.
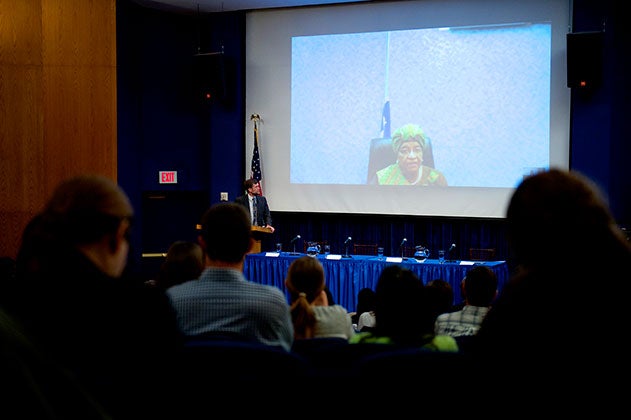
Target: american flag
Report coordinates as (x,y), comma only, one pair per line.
(256,158)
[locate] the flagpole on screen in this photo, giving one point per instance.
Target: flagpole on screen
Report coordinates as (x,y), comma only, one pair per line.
(255,166)
(385,113)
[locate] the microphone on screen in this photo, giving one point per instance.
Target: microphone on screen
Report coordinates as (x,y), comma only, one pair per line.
(348,240)
(403,242)
(452,247)
(295,239)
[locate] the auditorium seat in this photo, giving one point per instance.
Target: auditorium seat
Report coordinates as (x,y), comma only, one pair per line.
(228,372)
(337,360)
(407,251)
(411,376)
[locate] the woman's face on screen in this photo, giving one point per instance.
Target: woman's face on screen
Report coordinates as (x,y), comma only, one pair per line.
(410,157)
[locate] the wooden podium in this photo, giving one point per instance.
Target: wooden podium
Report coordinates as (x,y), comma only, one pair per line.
(257,233)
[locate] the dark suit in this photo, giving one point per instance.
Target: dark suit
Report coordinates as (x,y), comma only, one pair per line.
(263,215)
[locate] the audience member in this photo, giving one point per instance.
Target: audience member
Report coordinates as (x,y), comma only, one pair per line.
(116,336)
(364,317)
(403,314)
(558,326)
(33,386)
(479,288)
(311,313)
(441,296)
(223,301)
(367,321)
(365,302)
(184,261)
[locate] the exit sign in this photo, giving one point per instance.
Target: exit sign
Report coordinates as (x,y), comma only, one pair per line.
(167,177)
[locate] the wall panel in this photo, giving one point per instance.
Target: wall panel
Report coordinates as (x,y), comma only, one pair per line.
(57,102)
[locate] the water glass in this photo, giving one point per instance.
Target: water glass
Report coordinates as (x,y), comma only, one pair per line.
(279,247)
(441,256)
(380,252)
(327,249)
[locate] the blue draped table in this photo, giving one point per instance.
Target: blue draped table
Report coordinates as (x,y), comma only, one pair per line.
(347,276)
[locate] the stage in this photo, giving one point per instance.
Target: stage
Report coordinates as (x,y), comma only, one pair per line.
(346,276)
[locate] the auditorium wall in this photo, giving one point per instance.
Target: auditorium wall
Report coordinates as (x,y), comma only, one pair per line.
(58,108)
(113,93)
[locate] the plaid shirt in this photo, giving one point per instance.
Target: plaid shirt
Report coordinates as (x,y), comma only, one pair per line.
(464,322)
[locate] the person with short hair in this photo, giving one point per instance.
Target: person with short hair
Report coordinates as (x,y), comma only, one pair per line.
(403,314)
(479,288)
(115,335)
(222,302)
(184,261)
(559,322)
(256,204)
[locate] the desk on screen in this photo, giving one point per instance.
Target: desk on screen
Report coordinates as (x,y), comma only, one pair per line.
(346,276)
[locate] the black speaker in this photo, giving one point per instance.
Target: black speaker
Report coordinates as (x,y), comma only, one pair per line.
(209,77)
(584,59)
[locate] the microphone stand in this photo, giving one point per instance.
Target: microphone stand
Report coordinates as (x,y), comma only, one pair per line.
(448,254)
(346,255)
(403,257)
(293,241)
(346,252)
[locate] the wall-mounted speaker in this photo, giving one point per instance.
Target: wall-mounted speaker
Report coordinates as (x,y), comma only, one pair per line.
(584,59)
(209,77)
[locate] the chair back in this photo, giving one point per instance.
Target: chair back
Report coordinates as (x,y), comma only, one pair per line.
(414,373)
(218,362)
(481,254)
(365,249)
(235,374)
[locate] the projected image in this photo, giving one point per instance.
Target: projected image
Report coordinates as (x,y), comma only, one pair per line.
(457,107)
(414,160)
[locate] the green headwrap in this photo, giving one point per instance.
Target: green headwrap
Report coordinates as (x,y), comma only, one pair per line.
(409,132)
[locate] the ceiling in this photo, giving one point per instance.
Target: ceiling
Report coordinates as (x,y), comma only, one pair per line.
(209,6)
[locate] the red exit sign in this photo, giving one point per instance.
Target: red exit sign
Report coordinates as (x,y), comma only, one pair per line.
(167,177)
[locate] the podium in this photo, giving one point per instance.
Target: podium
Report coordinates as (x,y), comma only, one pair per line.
(257,234)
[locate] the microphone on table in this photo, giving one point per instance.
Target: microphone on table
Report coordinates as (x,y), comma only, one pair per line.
(346,247)
(448,253)
(401,246)
(293,241)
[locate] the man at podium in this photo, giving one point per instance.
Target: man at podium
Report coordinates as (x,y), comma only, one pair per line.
(257,208)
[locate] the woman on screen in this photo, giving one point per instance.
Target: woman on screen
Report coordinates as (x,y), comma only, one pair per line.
(408,143)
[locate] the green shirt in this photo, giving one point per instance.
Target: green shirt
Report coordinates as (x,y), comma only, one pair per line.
(436,343)
(392,175)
